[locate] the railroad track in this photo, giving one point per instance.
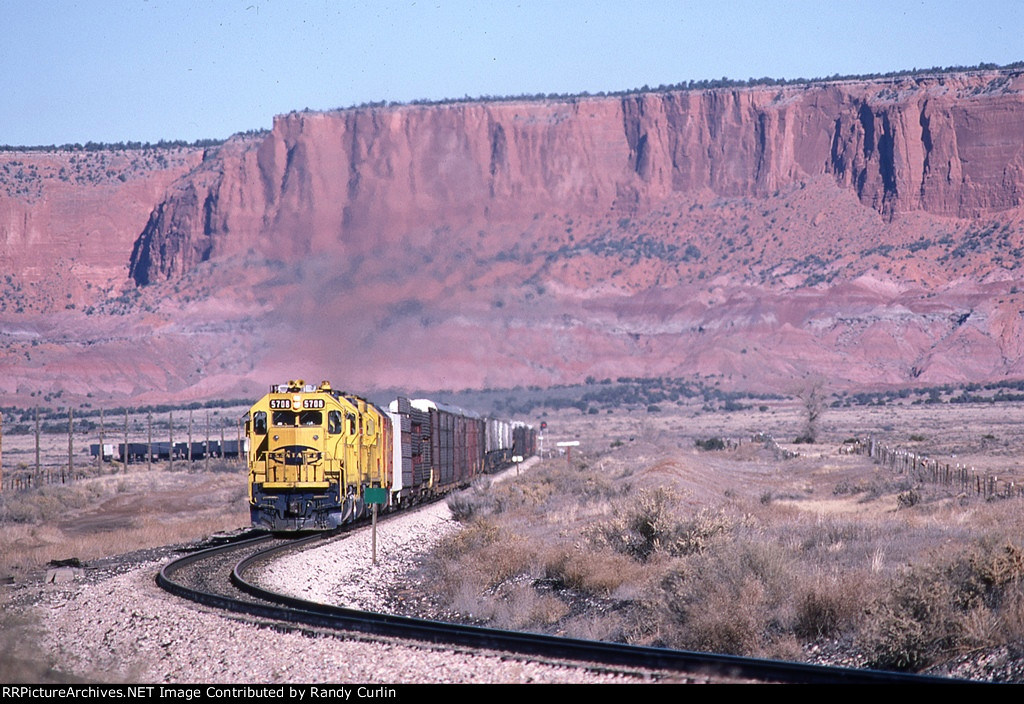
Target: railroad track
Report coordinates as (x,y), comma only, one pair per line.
(217,577)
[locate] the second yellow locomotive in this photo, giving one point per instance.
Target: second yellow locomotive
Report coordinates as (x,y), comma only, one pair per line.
(313,452)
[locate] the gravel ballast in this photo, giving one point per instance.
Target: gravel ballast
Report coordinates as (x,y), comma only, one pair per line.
(127,629)
(342,572)
(122,627)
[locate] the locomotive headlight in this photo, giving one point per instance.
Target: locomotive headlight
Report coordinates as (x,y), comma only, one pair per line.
(277,437)
(296,402)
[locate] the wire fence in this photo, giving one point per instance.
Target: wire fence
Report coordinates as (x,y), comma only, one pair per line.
(963,478)
(135,442)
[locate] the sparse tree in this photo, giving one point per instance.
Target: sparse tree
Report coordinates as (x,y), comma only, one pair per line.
(814,400)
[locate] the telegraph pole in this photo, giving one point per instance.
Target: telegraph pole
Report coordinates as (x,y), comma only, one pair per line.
(71,445)
(170,437)
(39,471)
(125,457)
(99,455)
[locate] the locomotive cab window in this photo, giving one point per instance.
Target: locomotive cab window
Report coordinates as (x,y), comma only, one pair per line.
(284,418)
(259,422)
(334,422)
(309,418)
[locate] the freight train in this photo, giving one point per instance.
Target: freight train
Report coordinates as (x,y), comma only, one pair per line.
(314,452)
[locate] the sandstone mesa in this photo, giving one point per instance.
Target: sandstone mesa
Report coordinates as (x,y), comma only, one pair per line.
(870,231)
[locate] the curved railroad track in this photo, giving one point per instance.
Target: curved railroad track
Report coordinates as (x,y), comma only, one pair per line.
(216,577)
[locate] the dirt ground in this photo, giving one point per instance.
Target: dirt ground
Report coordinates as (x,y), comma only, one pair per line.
(989,437)
(822,479)
(808,501)
(764,547)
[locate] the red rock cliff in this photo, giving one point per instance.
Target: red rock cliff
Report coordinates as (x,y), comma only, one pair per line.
(68,219)
(871,232)
(346,181)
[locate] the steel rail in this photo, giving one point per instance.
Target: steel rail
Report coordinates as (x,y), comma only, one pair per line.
(558,647)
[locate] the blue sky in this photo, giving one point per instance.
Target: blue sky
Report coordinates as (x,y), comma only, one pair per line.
(113,70)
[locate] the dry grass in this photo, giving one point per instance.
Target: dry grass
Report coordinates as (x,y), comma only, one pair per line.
(741,551)
(656,541)
(592,572)
(113,515)
(949,605)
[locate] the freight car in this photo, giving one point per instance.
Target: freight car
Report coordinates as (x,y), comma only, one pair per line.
(314,451)
(497,444)
(441,447)
(524,440)
(141,451)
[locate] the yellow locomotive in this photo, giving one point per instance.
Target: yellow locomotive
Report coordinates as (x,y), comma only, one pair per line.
(313,452)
